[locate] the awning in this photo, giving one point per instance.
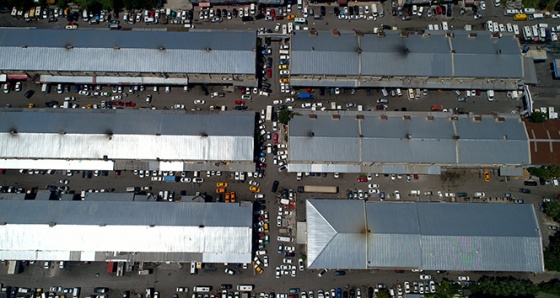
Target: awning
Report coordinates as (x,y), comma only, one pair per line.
(511,171)
(204,4)
(18,77)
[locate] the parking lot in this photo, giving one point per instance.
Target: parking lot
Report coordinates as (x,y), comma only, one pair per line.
(167,277)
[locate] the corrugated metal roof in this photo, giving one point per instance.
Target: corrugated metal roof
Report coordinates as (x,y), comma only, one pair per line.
(126,134)
(223,231)
(427,55)
(405,137)
(429,236)
(220,52)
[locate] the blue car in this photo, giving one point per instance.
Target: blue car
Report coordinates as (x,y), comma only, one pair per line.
(338,293)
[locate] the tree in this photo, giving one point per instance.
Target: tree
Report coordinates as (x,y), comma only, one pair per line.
(557,6)
(545,172)
(284,116)
(552,253)
(552,209)
(505,286)
(537,117)
(383,293)
(551,287)
(446,289)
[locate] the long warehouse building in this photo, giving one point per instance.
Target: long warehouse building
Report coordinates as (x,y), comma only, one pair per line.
(353,234)
(433,60)
(164,140)
(129,57)
(125,231)
(389,142)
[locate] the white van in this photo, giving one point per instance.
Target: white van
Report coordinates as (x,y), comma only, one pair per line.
(285,202)
(45,88)
(374,10)
(202,289)
(285,239)
(253,10)
(245,288)
(193,268)
(260,252)
(384,91)
(444,26)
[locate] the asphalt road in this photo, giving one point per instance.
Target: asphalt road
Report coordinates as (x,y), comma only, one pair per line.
(167,277)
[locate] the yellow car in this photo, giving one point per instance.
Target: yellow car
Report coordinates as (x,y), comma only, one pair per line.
(283,66)
(254,189)
(220,190)
(266,227)
(284,80)
(259,270)
(31,105)
(89,106)
(232,195)
(486,176)
(221,184)
(228,198)
(291,17)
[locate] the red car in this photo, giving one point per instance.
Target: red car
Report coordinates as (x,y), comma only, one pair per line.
(240,102)
(272,13)
(275,139)
(279,18)
(362,179)
(129,104)
(269,73)
(118,103)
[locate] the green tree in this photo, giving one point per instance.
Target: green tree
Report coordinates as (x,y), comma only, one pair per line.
(557,6)
(541,172)
(505,286)
(552,253)
(552,210)
(537,117)
(446,289)
(284,116)
(383,293)
(552,287)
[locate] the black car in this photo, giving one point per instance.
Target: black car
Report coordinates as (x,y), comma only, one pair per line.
(51,103)
(29,94)
(323,11)
(219,13)
(530,183)
(370,292)
(336,11)
(226,287)
(260,16)
(234,13)
(524,190)
(240,108)
(289,254)
(205,90)
(340,273)
(247,19)
(275,186)
(357,10)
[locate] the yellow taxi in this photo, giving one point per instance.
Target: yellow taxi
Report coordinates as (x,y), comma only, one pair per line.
(220,190)
(291,17)
(486,176)
(254,189)
(31,105)
(259,269)
(232,196)
(228,197)
(283,66)
(221,184)
(284,80)
(266,227)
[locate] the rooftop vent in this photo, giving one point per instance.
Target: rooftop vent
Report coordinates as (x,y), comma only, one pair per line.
(477,118)
(52,224)
(152,226)
(500,119)
(116,48)
(383,117)
(454,118)
(24,46)
(430,118)
(406,117)
(409,136)
(473,35)
(208,49)
(499,52)
(359,50)
(450,34)
(381,34)
(456,137)
(310,134)
(359,117)
(313,32)
(69,47)
(312,116)
(505,137)
(335,32)
(62,132)
(162,48)
(201,226)
(453,51)
(404,34)
(336,117)
(426,35)
(103,225)
(358,33)
(496,35)
(13,132)
(204,134)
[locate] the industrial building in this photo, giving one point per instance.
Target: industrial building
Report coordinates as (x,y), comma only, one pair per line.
(118,139)
(353,234)
(129,57)
(433,60)
(125,231)
(405,142)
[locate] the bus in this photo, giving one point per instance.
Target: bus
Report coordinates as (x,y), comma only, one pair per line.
(268,113)
(318,189)
(301,21)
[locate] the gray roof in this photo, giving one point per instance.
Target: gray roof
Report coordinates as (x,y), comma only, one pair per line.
(127,134)
(428,236)
(414,140)
(429,55)
(219,232)
(218,52)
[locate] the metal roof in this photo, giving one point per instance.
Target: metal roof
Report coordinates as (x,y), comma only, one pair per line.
(126,134)
(427,55)
(428,236)
(221,231)
(406,137)
(219,52)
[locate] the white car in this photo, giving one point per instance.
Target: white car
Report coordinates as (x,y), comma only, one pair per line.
(425,277)
(277,102)
(199,101)
(373,185)
(265,261)
(300,265)
(277,28)
(482,5)
(254,183)
(479,194)
(464,278)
